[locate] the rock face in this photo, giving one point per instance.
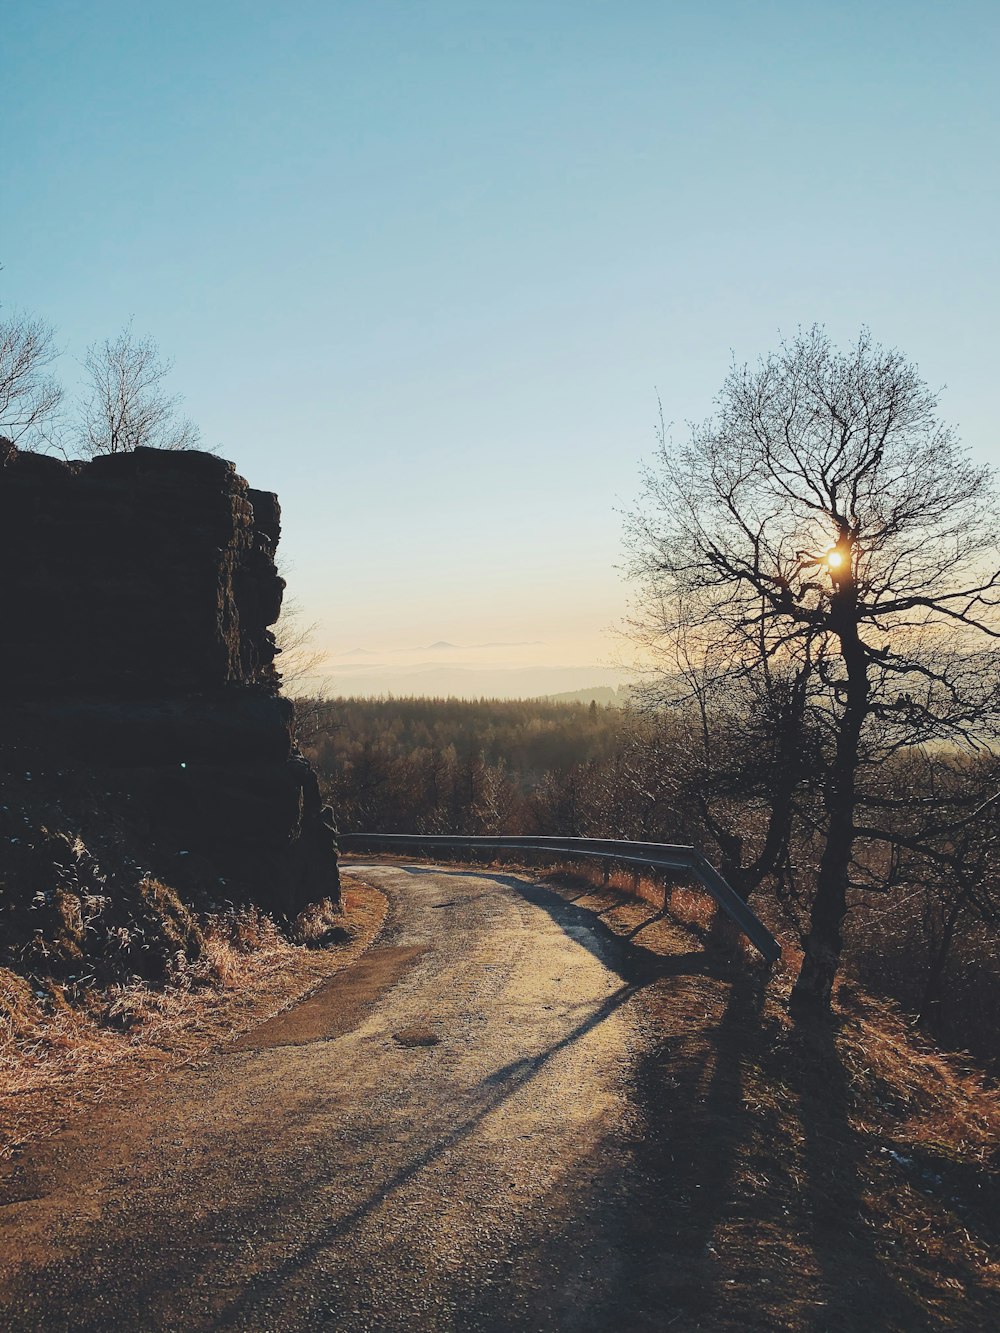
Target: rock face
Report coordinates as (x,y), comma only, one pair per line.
(136,660)
(147,573)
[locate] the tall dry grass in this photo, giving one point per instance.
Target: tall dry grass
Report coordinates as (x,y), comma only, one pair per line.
(54,1038)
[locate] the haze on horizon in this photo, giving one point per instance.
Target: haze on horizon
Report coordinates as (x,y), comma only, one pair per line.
(493,669)
(423,270)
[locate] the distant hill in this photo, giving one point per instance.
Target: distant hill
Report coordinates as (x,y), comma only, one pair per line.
(439,678)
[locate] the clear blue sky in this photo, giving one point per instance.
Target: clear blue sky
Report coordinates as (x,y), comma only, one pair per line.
(422,267)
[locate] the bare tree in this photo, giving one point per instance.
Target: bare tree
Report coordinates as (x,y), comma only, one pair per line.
(936,813)
(301,660)
(29,395)
(125,405)
(825,524)
(300,663)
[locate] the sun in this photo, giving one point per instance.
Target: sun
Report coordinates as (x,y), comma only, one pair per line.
(834,558)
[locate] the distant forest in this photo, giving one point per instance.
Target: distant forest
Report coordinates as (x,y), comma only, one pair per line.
(454,765)
(922,927)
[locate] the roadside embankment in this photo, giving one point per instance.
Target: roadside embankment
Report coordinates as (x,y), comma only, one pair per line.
(57,1058)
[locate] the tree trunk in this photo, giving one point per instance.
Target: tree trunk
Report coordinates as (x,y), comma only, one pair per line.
(814,986)
(932,990)
(724,933)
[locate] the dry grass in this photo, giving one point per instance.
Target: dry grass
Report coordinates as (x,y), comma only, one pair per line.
(56,1055)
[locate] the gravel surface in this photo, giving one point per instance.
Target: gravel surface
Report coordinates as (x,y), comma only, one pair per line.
(445,1137)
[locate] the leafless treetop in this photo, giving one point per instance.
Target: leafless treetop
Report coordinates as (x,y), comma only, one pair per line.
(29,396)
(125,406)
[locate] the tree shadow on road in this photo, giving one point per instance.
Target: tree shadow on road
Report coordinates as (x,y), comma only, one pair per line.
(745,1199)
(636,966)
(638,1244)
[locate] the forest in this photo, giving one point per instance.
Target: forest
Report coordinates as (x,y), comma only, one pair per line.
(922,925)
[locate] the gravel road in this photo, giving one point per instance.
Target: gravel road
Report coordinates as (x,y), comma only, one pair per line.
(445,1137)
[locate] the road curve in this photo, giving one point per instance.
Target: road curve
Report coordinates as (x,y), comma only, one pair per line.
(445,1138)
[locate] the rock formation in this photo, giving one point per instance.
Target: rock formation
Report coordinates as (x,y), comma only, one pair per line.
(139,700)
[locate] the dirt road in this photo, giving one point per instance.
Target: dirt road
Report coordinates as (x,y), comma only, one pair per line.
(429,1143)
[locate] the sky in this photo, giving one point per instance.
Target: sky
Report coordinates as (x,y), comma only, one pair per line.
(423,269)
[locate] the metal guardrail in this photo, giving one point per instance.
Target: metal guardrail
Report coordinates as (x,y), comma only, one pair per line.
(656,855)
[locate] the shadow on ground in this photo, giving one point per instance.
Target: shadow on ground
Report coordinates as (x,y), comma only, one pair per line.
(751,1199)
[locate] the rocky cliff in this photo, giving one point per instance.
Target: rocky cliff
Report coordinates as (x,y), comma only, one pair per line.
(143,738)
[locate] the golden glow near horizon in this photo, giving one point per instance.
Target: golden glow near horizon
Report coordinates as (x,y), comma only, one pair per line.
(473,664)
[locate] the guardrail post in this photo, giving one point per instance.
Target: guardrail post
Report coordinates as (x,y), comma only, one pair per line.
(668,892)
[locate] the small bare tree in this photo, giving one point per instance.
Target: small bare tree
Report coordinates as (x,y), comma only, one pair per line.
(300,663)
(29,395)
(826,525)
(125,405)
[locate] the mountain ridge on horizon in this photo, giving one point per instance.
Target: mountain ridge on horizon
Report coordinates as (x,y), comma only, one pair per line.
(445,645)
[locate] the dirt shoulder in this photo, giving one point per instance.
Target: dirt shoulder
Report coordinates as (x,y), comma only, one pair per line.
(73,1062)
